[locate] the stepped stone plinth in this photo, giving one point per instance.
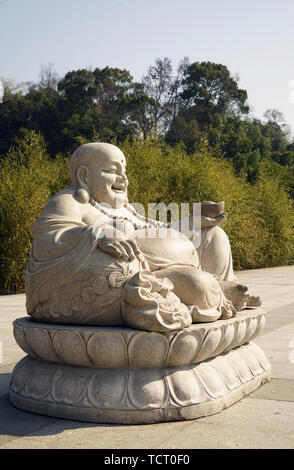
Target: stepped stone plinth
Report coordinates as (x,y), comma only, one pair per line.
(123,375)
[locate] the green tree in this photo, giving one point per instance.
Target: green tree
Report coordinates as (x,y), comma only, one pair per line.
(28,178)
(211,89)
(162,85)
(210,97)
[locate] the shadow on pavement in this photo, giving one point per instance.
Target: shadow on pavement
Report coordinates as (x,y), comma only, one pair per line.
(19,423)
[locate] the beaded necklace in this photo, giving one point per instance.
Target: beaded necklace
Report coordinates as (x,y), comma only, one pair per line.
(148,223)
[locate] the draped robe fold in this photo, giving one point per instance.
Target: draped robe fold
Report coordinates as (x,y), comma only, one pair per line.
(70,280)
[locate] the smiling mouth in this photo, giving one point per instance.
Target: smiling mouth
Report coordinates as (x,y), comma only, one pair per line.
(118,188)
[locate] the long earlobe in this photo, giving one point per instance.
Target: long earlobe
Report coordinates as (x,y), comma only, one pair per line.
(82,195)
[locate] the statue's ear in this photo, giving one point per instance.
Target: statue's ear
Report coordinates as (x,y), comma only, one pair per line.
(82,175)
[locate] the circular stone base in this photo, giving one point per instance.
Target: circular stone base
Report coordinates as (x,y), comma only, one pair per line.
(138,396)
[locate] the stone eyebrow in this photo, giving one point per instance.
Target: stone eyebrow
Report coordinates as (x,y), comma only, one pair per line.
(120,164)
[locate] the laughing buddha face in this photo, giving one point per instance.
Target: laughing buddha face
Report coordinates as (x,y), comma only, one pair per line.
(101,169)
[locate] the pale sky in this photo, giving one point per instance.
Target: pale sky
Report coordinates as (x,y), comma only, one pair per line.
(253,38)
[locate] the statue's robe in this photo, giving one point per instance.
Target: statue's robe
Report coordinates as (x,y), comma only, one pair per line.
(70,280)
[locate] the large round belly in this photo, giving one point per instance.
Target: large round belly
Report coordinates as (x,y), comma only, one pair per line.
(168,245)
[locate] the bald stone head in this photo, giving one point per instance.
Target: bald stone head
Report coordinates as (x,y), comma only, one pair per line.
(92,154)
(100,169)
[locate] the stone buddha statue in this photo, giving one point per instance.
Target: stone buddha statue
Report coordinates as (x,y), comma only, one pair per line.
(96,261)
(112,296)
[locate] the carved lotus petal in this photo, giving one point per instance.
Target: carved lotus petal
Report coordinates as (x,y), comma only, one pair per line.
(41,379)
(230,377)
(251,361)
(240,366)
(259,354)
(251,328)
(240,333)
(228,338)
(210,343)
(147,388)
(20,374)
(148,350)
(20,338)
(100,285)
(88,295)
(108,388)
(70,348)
(70,384)
(117,279)
(260,326)
(184,348)
(40,342)
(211,379)
(108,350)
(185,387)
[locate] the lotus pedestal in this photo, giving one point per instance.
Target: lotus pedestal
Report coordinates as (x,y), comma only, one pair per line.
(122,375)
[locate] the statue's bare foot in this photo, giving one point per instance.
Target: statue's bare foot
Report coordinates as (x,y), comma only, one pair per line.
(253,301)
(236,293)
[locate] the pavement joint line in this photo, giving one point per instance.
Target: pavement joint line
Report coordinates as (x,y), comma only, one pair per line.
(268,283)
(187,424)
(269,399)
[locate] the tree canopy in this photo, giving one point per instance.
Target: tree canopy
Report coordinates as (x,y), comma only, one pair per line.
(187,105)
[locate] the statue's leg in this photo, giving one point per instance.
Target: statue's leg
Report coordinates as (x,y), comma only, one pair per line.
(215,253)
(197,288)
(191,285)
(200,291)
(215,257)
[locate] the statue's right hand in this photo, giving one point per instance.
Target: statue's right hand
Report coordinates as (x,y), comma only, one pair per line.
(118,246)
(209,222)
(220,219)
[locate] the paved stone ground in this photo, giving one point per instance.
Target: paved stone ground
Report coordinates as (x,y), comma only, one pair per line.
(263,420)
